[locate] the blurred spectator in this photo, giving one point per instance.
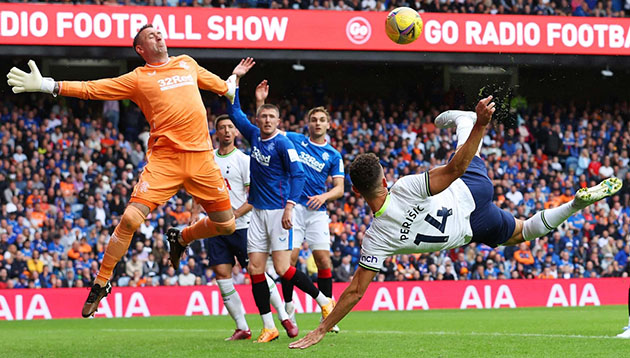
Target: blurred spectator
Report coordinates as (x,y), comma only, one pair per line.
(344,272)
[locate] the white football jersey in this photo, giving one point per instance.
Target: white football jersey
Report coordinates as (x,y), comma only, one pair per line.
(413,221)
(235,170)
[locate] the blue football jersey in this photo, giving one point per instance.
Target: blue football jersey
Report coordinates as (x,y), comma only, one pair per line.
(320,161)
(276,173)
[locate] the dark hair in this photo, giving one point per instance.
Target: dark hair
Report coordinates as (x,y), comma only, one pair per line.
(268,106)
(137,37)
(222,117)
(365,173)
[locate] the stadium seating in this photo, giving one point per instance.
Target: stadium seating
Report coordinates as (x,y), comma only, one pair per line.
(608,8)
(66,175)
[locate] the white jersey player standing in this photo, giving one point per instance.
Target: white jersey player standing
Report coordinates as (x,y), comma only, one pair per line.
(234,166)
(320,161)
(446,207)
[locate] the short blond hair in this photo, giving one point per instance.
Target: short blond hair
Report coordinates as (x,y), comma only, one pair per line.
(267,106)
(318,109)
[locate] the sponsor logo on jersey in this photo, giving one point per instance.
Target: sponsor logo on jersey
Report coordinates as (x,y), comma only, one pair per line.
(311,161)
(410,217)
(143,186)
(261,158)
(151,73)
(282,239)
(304,144)
(176,81)
(293,156)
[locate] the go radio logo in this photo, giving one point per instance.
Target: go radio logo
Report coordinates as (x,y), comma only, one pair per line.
(358,30)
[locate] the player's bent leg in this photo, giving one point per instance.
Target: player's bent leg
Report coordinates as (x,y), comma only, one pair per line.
(324,277)
(118,245)
(517,235)
(287,288)
(178,240)
(290,326)
(281,261)
(217,223)
(324,273)
(464,120)
(546,221)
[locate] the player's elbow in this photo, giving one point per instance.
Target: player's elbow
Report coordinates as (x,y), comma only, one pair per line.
(455,169)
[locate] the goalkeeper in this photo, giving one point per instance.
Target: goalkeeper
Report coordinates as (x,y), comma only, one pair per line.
(179,153)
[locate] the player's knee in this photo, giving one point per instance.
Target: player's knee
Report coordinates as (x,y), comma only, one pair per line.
(254,269)
(226,227)
(281,268)
(322,262)
(131,219)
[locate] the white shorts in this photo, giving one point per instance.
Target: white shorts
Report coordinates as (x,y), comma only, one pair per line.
(312,225)
(266,234)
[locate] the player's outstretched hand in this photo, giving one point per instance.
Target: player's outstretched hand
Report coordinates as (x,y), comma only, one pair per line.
(484,110)
(243,67)
(312,338)
(262,91)
(21,81)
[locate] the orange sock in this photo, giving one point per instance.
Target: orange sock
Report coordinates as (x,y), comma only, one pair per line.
(119,243)
(207,228)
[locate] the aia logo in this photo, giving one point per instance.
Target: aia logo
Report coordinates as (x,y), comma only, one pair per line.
(358,30)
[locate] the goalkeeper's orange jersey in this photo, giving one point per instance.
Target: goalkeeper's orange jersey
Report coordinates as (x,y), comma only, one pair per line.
(167,94)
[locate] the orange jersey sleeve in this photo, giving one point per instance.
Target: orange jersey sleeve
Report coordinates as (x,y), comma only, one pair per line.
(208,81)
(122,87)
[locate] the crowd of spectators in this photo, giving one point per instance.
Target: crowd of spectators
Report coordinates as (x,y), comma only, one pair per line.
(598,8)
(67,168)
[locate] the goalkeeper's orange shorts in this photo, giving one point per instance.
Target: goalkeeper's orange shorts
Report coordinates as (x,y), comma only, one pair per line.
(168,170)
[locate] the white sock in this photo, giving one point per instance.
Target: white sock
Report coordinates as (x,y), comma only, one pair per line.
(464,127)
(275,299)
(289,306)
(232,302)
(545,221)
(268,320)
(322,300)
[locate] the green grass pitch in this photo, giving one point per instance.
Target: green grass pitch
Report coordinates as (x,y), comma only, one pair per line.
(525,332)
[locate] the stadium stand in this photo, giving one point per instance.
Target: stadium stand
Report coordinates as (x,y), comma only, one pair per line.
(601,8)
(66,173)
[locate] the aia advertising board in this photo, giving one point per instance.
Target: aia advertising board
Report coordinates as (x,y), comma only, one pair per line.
(84,25)
(392,296)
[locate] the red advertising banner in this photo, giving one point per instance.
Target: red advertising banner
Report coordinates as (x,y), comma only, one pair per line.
(83,25)
(392,296)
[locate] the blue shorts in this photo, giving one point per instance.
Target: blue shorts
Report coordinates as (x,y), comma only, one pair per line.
(223,249)
(490,225)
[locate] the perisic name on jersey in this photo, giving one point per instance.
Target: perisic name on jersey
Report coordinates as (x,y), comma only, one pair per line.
(412,214)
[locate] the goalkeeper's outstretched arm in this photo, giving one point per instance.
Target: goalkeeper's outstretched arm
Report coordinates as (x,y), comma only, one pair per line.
(122,87)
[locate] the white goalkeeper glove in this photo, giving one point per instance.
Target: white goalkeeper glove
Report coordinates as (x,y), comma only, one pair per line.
(231,92)
(30,82)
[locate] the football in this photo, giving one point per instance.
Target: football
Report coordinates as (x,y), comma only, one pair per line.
(403,25)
